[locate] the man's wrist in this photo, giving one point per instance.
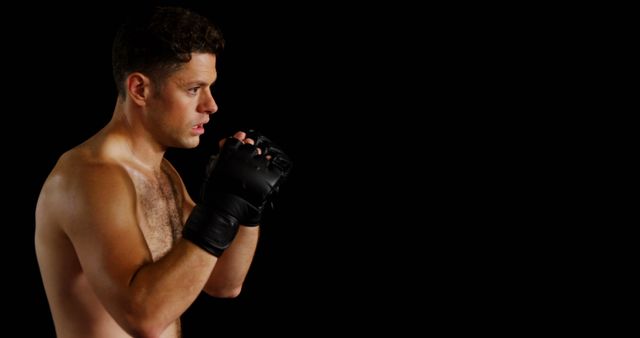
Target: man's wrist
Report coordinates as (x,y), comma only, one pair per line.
(212,230)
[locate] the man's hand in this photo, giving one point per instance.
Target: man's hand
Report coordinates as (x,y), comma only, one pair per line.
(255,172)
(240,182)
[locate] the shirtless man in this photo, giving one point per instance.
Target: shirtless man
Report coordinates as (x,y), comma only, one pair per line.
(122,248)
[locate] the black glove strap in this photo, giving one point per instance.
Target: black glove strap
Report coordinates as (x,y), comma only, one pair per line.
(211,230)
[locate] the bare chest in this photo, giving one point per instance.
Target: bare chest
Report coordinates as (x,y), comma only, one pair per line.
(159,204)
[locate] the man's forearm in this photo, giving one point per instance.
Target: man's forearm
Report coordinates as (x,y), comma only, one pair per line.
(161,291)
(232,267)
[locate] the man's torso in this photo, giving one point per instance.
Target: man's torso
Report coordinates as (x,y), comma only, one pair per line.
(76,309)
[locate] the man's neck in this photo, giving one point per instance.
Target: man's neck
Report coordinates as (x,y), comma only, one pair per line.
(136,141)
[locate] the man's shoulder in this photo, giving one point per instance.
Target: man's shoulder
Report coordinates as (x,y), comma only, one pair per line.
(79,168)
(78,183)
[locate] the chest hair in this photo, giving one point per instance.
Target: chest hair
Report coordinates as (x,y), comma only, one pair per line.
(160,203)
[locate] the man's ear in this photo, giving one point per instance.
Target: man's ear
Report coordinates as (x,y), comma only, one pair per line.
(138,87)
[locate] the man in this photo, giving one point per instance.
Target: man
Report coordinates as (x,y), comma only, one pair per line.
(122,248)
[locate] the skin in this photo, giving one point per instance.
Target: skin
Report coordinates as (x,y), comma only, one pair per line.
(110,215)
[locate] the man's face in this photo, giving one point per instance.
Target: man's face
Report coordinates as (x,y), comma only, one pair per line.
(177,112)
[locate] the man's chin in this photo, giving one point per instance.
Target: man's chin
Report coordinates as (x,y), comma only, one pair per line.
(192,144)
(188,144)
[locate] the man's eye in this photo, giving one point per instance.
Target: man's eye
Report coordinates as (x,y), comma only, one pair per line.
(194,90)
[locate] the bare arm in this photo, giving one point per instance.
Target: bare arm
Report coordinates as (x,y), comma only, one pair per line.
(228,276)
(231,270)
(143,296)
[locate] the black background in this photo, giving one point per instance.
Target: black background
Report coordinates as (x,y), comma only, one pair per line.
(418,186)
(317,80)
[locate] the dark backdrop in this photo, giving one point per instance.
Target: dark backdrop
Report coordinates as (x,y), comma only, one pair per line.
(411,201)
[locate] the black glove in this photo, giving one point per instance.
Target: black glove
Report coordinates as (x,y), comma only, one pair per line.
(279,160)
(238,185)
